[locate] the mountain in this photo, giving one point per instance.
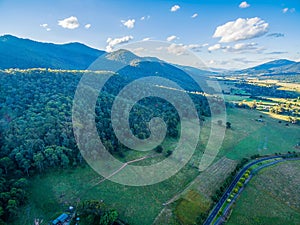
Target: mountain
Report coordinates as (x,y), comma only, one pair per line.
(196,71)
(130,66)
(281,66)
(25,53)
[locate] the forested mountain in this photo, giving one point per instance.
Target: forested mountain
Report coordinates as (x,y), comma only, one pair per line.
(281,66)
(25,53)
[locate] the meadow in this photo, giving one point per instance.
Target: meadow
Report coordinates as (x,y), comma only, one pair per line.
(271,197)
(52,192)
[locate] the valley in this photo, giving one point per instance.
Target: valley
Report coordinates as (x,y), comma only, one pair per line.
(44,171)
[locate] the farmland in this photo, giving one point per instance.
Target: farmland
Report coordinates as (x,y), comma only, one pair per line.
(52,192)
(271,197)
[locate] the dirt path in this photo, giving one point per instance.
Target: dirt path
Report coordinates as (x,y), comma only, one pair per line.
(123,166)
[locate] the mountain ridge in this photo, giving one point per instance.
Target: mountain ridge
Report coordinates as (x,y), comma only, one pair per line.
(25,53)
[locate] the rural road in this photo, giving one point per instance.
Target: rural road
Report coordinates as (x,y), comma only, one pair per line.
(217,207)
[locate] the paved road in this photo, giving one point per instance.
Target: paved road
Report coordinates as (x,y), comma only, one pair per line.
(217,207)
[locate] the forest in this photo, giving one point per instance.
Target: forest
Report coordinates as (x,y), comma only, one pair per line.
(36,132)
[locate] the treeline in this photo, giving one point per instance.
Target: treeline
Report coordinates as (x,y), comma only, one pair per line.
(272,91)
(36,132)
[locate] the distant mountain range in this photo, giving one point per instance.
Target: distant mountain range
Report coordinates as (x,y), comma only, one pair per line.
(281,66)
(24,53)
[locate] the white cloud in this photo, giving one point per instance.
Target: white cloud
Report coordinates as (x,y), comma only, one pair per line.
(128,23)
(146,39)
(171,38)
(177,49)
(194,15)
(244,5)
(291,10)
(214,47)
(111,43)
(69,23)
(87,26)
(205,44)
(45,25)
(241,29)
(238,48)
(195,47)
(241,47)
(285,10)
(175,8)
(145,17)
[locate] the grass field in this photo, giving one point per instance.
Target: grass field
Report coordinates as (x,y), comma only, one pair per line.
(248,136)
(52,192)
(271,197)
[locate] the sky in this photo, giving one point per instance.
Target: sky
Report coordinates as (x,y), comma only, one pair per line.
(222,34)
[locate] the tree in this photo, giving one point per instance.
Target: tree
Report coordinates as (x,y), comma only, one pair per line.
(159,149)
(6,163)
(240,184)
(39,159)
(236,190)
(169,152)
(228,125)
(12,207)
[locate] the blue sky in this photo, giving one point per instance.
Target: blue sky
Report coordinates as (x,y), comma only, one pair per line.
(223,34)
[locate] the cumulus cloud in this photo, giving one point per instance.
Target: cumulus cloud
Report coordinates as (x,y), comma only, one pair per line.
(214,47)
(194,15)
(87,26)
(244,5)
(171,38)
(285,10)
(145,17)
(241,47)
(174,8)
(276,35)
(291,10)
(238,48)
(111,43)
(128,23)
(69,23)
(180,49)
(241,29)
(45,25)
(177,49)
(195,47)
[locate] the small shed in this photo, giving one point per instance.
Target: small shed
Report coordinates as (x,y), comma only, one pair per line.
(61,219)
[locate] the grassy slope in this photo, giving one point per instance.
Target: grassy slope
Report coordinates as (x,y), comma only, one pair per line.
(51,193)
(54,192)
(249,137)
(272,197)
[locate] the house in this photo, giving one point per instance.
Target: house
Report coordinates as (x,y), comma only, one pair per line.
(63,219)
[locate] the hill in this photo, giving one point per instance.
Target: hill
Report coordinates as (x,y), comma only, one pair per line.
(281,66)
(25,53)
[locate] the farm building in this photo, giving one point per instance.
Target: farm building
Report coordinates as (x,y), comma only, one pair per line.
(63,219)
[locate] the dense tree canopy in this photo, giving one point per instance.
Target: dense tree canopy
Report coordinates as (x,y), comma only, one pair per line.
(36,132)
